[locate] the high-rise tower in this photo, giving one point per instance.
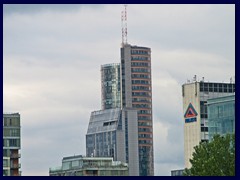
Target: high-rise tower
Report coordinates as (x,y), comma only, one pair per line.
(137,93)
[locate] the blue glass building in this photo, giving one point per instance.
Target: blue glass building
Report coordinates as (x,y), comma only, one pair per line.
(221,115)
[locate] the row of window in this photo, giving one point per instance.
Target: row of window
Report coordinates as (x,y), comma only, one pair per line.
(144,130)
(139,52)
(111,83)
(144,88)
(144,112)
(101,136)
(141,99)
(217,87)
(144,123)
(145,135)
(141,106)
(204,129)
(144,118)
(141,58)
(11,142)
(144,70)
(11,132)
(140,82)
(144,76)
(141,94)
(111,78)
(140,64)
(145,141)
(111,95)
(11,121)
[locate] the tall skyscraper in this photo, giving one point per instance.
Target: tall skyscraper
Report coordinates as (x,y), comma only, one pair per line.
(111,88)
(137,93)
(195,95)
(11,144)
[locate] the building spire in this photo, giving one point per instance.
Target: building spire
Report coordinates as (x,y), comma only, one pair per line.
(124,25)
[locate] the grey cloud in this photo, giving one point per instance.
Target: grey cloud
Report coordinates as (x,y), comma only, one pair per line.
(190,27)
(52,58)
(38,8)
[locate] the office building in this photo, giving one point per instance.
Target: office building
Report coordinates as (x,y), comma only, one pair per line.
(221,115)
(89,166)
(195,95)
(111,88)
(11,144)
(113,133)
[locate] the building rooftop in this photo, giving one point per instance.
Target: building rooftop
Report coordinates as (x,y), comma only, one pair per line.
(195,79)
(110,65)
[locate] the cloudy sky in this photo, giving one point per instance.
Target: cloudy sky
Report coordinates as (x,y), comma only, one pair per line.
(51,70)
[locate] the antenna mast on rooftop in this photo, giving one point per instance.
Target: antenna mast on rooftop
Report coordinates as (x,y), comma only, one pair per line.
(124,25)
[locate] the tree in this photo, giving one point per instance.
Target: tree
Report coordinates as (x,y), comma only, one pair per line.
(214,158)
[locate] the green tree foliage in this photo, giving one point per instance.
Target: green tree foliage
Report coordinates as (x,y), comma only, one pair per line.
(215,158)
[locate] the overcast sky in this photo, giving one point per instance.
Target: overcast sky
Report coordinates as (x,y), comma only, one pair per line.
(51,70)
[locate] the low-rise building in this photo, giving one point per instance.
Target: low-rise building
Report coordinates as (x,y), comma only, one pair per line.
(178,172)
(89,166)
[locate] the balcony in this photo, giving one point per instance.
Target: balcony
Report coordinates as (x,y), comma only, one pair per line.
(13,156)
(15,166)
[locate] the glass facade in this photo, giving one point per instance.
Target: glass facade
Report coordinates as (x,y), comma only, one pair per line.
(89,166)
(101,134)
(221,115)
(137,93)
(113,133)
(111,88)
(11,144)
(211,90)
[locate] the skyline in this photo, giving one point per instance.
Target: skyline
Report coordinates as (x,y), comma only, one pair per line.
(49,50)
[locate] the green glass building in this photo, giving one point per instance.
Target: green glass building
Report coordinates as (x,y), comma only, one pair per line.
(221,115)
